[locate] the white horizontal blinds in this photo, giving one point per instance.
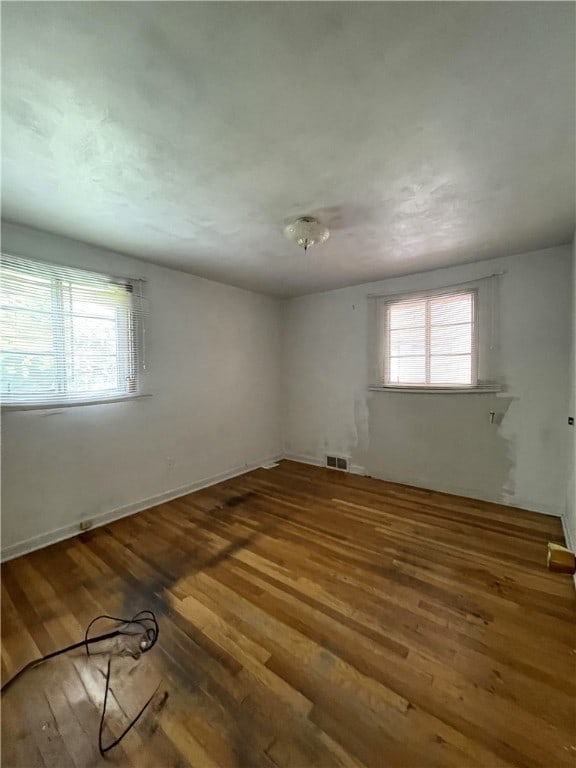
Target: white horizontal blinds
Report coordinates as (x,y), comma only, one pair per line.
(66,334)
(407,342)
(432,341)
(452,339)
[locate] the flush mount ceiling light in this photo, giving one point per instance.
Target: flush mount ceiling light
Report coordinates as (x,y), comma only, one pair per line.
(306,231)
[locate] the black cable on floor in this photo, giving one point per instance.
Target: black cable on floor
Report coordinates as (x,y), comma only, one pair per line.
(142,629)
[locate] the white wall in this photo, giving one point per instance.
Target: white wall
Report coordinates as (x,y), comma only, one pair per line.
(440,441)
(213,358)
(570,517)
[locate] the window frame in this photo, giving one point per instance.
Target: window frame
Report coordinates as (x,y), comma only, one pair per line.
(487,330)
(426,299)
(130,365)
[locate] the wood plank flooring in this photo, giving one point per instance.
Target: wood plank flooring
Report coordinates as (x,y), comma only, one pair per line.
(307,618)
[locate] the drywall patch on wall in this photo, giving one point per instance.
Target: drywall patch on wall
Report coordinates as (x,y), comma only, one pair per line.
(446,439)
(508,432)
(360,449)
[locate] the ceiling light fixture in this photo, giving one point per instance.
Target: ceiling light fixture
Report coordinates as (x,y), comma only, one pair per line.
(306,231)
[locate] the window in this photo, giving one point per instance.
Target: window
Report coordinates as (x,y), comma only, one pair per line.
(430,341)
(438,339)
(66,335)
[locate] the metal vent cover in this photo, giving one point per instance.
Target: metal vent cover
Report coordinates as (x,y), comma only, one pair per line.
(337,462)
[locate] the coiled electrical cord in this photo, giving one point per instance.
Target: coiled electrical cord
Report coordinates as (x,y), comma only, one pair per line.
(142,629)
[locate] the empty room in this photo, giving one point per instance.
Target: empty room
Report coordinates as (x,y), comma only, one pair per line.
(288,384)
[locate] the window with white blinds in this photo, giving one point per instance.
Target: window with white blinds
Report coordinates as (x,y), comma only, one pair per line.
(431,341)
(439,339)
(67,335)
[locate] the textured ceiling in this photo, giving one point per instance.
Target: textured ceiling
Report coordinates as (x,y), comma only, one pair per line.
(423,134)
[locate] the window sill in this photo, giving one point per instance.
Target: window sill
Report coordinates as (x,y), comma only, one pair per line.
(69,404)
(438,390)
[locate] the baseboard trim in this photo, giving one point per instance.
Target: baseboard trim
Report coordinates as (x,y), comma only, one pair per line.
(568,538)
(450,490)
(570,542)
(472,493)
(355,469)
(68,531)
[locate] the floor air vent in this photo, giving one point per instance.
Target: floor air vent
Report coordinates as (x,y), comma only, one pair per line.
(337,462)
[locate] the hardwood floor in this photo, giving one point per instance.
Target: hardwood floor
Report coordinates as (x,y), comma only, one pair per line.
(307,618)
